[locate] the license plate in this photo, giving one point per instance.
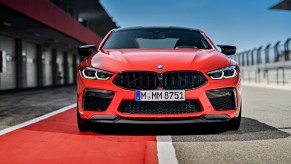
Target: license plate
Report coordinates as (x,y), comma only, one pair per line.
(169,95)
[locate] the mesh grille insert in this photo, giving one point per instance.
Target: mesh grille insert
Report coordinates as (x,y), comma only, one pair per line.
(95,103)
(137,80)
(183,80)
(159,107)
(222,99)
(167,80)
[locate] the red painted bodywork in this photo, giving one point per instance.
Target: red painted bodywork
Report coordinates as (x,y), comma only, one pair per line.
(116,61)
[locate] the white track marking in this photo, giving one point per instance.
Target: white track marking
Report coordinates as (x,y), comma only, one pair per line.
(37,119)
(268,86)
(166,150)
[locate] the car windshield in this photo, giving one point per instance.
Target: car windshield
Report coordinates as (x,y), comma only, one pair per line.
(156,38)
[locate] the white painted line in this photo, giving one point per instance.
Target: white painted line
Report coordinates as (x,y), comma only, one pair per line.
(267,86)
(37,119)
(166,150)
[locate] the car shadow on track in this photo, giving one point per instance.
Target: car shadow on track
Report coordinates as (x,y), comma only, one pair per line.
(250,130)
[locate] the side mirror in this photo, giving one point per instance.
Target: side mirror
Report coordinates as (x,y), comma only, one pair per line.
(227,50)
(86,50)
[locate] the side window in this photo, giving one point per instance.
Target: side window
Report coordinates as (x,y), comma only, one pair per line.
(205,44)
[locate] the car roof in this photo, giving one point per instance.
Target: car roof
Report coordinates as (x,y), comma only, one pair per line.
(155,27)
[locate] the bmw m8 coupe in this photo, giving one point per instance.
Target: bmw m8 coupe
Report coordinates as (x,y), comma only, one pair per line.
(158,75)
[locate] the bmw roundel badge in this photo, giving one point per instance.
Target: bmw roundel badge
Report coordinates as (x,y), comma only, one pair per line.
(160,67)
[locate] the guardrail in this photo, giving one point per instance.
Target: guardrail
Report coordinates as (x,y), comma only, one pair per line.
(270,64)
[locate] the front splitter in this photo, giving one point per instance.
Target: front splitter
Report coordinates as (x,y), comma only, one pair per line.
(112,119)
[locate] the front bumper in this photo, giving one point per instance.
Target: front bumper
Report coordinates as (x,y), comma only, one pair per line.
(118,95)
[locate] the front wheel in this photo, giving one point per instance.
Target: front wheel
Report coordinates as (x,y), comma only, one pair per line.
(234,124)
(82,123)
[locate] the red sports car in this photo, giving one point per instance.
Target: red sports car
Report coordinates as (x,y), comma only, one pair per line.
(158,75)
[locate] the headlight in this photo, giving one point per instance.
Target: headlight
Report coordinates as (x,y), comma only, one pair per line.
(223,73)
(95,74)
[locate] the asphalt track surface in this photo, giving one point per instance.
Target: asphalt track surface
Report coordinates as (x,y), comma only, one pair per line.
(20,106)
(264,137)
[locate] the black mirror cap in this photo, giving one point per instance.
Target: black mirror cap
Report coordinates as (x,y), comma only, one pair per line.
(227,49)
(86,50)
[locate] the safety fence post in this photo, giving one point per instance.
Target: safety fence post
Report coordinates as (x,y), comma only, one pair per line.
(252,56)
(286,48)
(243,58)
(276,51)
(259,55)
(249,58)
(267,53)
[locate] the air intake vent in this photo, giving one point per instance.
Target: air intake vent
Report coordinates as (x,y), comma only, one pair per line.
(222,99)
(97,100)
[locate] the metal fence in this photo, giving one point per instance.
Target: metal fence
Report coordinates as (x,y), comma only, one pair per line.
(270,64)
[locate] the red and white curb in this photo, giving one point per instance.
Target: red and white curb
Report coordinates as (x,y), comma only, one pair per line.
(166,150)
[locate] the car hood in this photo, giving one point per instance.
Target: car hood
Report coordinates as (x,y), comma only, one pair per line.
(148,59)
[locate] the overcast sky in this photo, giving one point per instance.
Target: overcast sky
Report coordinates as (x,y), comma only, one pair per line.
(244,23)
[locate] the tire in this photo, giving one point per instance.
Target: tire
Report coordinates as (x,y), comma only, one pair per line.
(82,123)
(234,124)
